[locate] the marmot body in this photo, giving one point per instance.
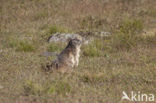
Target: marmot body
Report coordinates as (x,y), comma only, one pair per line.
(68,58)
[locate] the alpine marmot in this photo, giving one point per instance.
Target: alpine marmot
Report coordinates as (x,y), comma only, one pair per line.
(68,58)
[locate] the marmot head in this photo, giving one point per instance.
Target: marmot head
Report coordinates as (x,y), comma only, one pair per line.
(75,42)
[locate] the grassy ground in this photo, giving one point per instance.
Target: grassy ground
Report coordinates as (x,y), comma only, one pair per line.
(126,61)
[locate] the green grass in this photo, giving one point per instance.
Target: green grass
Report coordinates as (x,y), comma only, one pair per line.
(54,87)
(59,87)
(91,23)
(91,51)
(55,29)
(26,47)
(21,45)
(31,88)
(127,34)
(55,47)
(94,49)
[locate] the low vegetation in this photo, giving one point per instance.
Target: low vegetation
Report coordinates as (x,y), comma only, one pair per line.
(56,47)
(127,34)
(94,49)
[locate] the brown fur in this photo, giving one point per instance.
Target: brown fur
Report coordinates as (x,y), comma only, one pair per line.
(67,58)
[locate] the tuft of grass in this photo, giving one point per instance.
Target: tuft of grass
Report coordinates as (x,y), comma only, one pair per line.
(12,43)
(56,87)
(92,78)
(94,49)
(21,45)
(25,46)
(40,15)
(151,13)
(55,47)
(50,30)
(91,51)
(54,29)
(127,34)
(59,87)
(91,23)
(148,40)
(131,26)
(31,88)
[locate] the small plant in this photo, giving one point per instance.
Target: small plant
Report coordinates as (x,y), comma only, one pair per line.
(31,88)
(93,49)
(92,78)
(55,47)
(91,22)
(40,15)
(59,87)
(20,45)
(148,40)
(12,43)
(131,26)
(127,34)
(25,46)
(151,12)
(54,29)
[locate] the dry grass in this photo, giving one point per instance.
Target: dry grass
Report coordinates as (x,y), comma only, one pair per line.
(124,62)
